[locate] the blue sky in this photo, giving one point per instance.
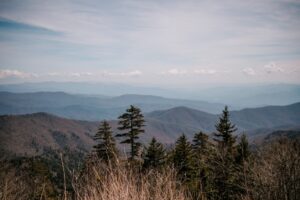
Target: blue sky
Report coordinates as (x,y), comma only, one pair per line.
(154,43)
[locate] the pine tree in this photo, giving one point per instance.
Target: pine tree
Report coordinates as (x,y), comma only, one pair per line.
(182,157)
(132,122)
(243,151)
(243,160)
(201,167)
(155,155)
(200,143)
(106,147)
(225,169)
(225,129)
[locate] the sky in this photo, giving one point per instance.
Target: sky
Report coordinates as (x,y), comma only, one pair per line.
(165,43)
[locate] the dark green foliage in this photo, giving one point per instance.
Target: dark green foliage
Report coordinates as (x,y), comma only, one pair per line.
(155,155)
(224,135)
(182,157)
(201,144)
(243,151)
(106,147)
(39,177)
(202,170)
(243,164)
(132,122)
(225,169)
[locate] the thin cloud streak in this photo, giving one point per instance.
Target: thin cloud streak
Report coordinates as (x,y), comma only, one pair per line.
(6,73)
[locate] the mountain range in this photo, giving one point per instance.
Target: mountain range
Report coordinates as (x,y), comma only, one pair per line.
(87,107)
(238,96)
(32,133)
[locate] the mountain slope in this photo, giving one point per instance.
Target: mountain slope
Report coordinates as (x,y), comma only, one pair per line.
(185,117)
(34,133)
(267,117)
(246,119)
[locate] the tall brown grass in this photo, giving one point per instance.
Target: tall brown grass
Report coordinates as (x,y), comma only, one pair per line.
(113,182)
(272,173)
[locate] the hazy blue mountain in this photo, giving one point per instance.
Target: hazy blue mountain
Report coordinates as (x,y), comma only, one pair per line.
(241,96)
(88,88)
(252,95)
(91,107)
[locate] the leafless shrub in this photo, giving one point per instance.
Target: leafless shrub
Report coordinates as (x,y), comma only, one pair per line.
(12,185)
(276,172)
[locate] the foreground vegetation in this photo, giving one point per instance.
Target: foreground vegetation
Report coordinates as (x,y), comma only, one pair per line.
(216,166)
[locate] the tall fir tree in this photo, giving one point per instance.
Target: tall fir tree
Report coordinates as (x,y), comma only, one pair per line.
(106,146)
(202,180)
(224,135)
(132,123)
(245,177)
(182,157)
(243,151)
(155,155)
(201,143)
(225,169)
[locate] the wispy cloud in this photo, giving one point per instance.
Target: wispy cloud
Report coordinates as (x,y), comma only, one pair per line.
(6,73)
(174,71)
(134,73)
(205,71)
(273,68)
(192,72)
(249,71)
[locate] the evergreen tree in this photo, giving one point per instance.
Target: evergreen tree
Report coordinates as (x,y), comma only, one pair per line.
(201,164)
(106,147)
(155,155)
(243,151)
(200,143)
(182,157)
(243,160)
(132,122)
(225,129)
(225,170)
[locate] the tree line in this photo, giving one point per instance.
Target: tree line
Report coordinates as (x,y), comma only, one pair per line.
(216,166)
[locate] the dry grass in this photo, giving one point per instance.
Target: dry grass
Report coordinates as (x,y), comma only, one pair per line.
(120,182)
(100,182)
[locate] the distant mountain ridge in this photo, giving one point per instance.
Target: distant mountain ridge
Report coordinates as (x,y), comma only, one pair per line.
(90,107)
(238,96)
